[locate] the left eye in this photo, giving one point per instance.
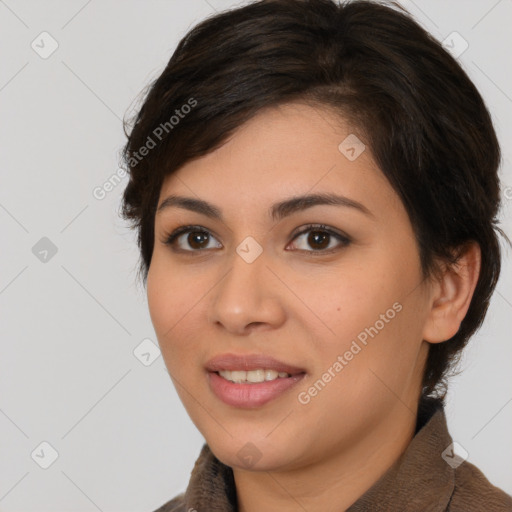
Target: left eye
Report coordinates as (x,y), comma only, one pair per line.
(320,238)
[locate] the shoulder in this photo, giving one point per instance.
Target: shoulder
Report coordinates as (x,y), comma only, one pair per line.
(177,504)
(473,492)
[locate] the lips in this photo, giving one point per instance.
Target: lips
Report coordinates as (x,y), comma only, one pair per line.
(250,395)
(233,362)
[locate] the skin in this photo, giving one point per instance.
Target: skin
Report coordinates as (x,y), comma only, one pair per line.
(301,308)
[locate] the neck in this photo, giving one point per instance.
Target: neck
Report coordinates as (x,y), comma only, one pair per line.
(333,483)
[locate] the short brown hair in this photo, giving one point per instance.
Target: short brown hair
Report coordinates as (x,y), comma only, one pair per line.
(423,119)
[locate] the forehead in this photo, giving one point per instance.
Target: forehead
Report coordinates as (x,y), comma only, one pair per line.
(293,149)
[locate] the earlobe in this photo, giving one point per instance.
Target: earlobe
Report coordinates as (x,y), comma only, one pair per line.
(451,296)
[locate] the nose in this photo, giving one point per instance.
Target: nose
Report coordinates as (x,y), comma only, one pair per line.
(247,297)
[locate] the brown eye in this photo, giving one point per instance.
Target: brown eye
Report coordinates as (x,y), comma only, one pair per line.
(319,239)
(190,239)
(197,239)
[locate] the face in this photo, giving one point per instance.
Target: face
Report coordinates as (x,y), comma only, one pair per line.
(329,295)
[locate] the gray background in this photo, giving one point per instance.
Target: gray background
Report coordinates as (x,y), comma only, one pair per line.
(70,324)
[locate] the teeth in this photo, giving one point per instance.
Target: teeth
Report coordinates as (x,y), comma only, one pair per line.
(253,376)
(256,376)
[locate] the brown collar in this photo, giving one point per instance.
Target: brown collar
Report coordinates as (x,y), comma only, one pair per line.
(419,480)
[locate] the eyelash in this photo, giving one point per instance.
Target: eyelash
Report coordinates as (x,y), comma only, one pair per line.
(344,240)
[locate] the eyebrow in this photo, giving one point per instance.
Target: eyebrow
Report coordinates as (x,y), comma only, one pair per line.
(277,211)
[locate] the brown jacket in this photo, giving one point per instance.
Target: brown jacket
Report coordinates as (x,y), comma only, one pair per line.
(421,480)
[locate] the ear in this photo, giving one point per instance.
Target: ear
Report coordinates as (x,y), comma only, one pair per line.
(451,296)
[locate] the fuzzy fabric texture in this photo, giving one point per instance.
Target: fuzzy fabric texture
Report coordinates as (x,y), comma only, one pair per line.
(421,480)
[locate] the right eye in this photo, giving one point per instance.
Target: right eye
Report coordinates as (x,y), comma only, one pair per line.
(197,238)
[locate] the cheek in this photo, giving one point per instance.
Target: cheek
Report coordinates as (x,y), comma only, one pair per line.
(173,301)
(373,311)
(353,298)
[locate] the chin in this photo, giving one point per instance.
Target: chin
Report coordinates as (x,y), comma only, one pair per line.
(254,453)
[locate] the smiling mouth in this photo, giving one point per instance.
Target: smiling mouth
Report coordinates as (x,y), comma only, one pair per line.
(249,381)
(242,393)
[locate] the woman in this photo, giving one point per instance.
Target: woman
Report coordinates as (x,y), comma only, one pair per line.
(315,191)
